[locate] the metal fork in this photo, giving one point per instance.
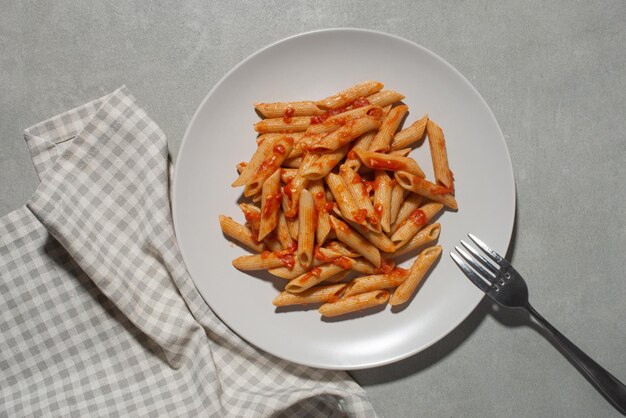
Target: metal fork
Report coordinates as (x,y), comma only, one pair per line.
(504,285)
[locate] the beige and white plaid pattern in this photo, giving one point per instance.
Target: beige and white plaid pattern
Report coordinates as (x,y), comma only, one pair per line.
(99,316)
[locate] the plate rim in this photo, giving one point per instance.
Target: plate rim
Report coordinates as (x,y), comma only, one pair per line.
(174,200)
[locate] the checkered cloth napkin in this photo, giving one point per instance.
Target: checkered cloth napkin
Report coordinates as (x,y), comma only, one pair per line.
(99,316)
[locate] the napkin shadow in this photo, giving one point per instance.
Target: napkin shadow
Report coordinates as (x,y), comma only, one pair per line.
(449,344)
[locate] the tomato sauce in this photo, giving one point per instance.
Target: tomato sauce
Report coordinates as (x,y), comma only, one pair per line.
(272,203)
(343,262)
(352,155)
(316,271)
(359,102)
(329,206)
(359,215)
(280,149)
(288,114)
(418,217)
(377,164)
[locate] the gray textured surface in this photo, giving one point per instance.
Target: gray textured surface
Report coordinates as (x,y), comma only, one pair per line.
(552,72)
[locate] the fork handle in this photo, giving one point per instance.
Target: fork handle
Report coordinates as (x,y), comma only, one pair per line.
(608,385)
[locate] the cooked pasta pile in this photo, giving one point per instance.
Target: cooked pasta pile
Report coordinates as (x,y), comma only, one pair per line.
(339,194)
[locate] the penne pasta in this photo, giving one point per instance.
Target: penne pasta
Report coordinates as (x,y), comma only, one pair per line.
(293,162)
(282,125)
(270,204)
(341,248)
(362,143)
(355,303)
(350,94)
(316,188)
(377,239)
(316,294)
(380,161)
(337,121)
(427,235)
(384,98)
(268,157)
(439,155)
(425,188)
(382,199)
(294,135)
(289,274)
(347,133)
(413,201)
(343,198)
(272,243)
(264,261)
(416,274)
(324,164)
(364,284)
(401,152)
(388,128)
(306,229)
(240,233)
(282,233)
(365,214)
(312,277)
(410,135)
(414,222)
(287,174)
(397,198)
(339,277)
(288,109)
(292,223)
(355,241)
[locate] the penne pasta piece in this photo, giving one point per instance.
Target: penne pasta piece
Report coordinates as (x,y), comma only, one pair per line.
(355,241)
(365,214)
(412,202)
(377,239)
(272,243)
(388,128)
(362,143)
(280,125)
(382,199)
(288,109)
(355,303)
(287,174)
(341,248)
(397,198)
(264,261)
(316,188)
(380,161)
(350,94)
(410,135)
(363,266)
(414,222)
(253,218)
(324,164)
(377,282)
(295,135)
(294,188)
(292,223)
(312,277)
(425,188)
(302,142)
(298,270)
(240,233)
(401,152)
(316,294)
(306,229)
(348,132)
(337,121)
(439,155)
(427,235)
(282,233)
(343,197)
(268,157)
(384,98)
(416,274)
(270,204)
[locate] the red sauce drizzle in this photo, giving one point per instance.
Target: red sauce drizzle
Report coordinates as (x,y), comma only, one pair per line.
(359,215)
(251,217)
(371,185)
(293,247)
(359,102)
(288,114)
(329,206)
(418,217)
(352,155)
(343,262)
(280,149)
(267,164)
(287,188)
(266,254)
(397,273)
(378,208)
(272,203)
(316,271)
(377,164)
(386,266)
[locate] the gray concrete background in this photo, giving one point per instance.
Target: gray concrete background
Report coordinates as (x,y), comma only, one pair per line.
(554,75)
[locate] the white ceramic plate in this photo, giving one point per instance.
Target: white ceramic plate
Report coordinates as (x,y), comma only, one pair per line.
(310,66)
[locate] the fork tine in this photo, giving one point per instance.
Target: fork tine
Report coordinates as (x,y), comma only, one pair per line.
(480,269)
(480,258)
(491,253)
(474,278)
